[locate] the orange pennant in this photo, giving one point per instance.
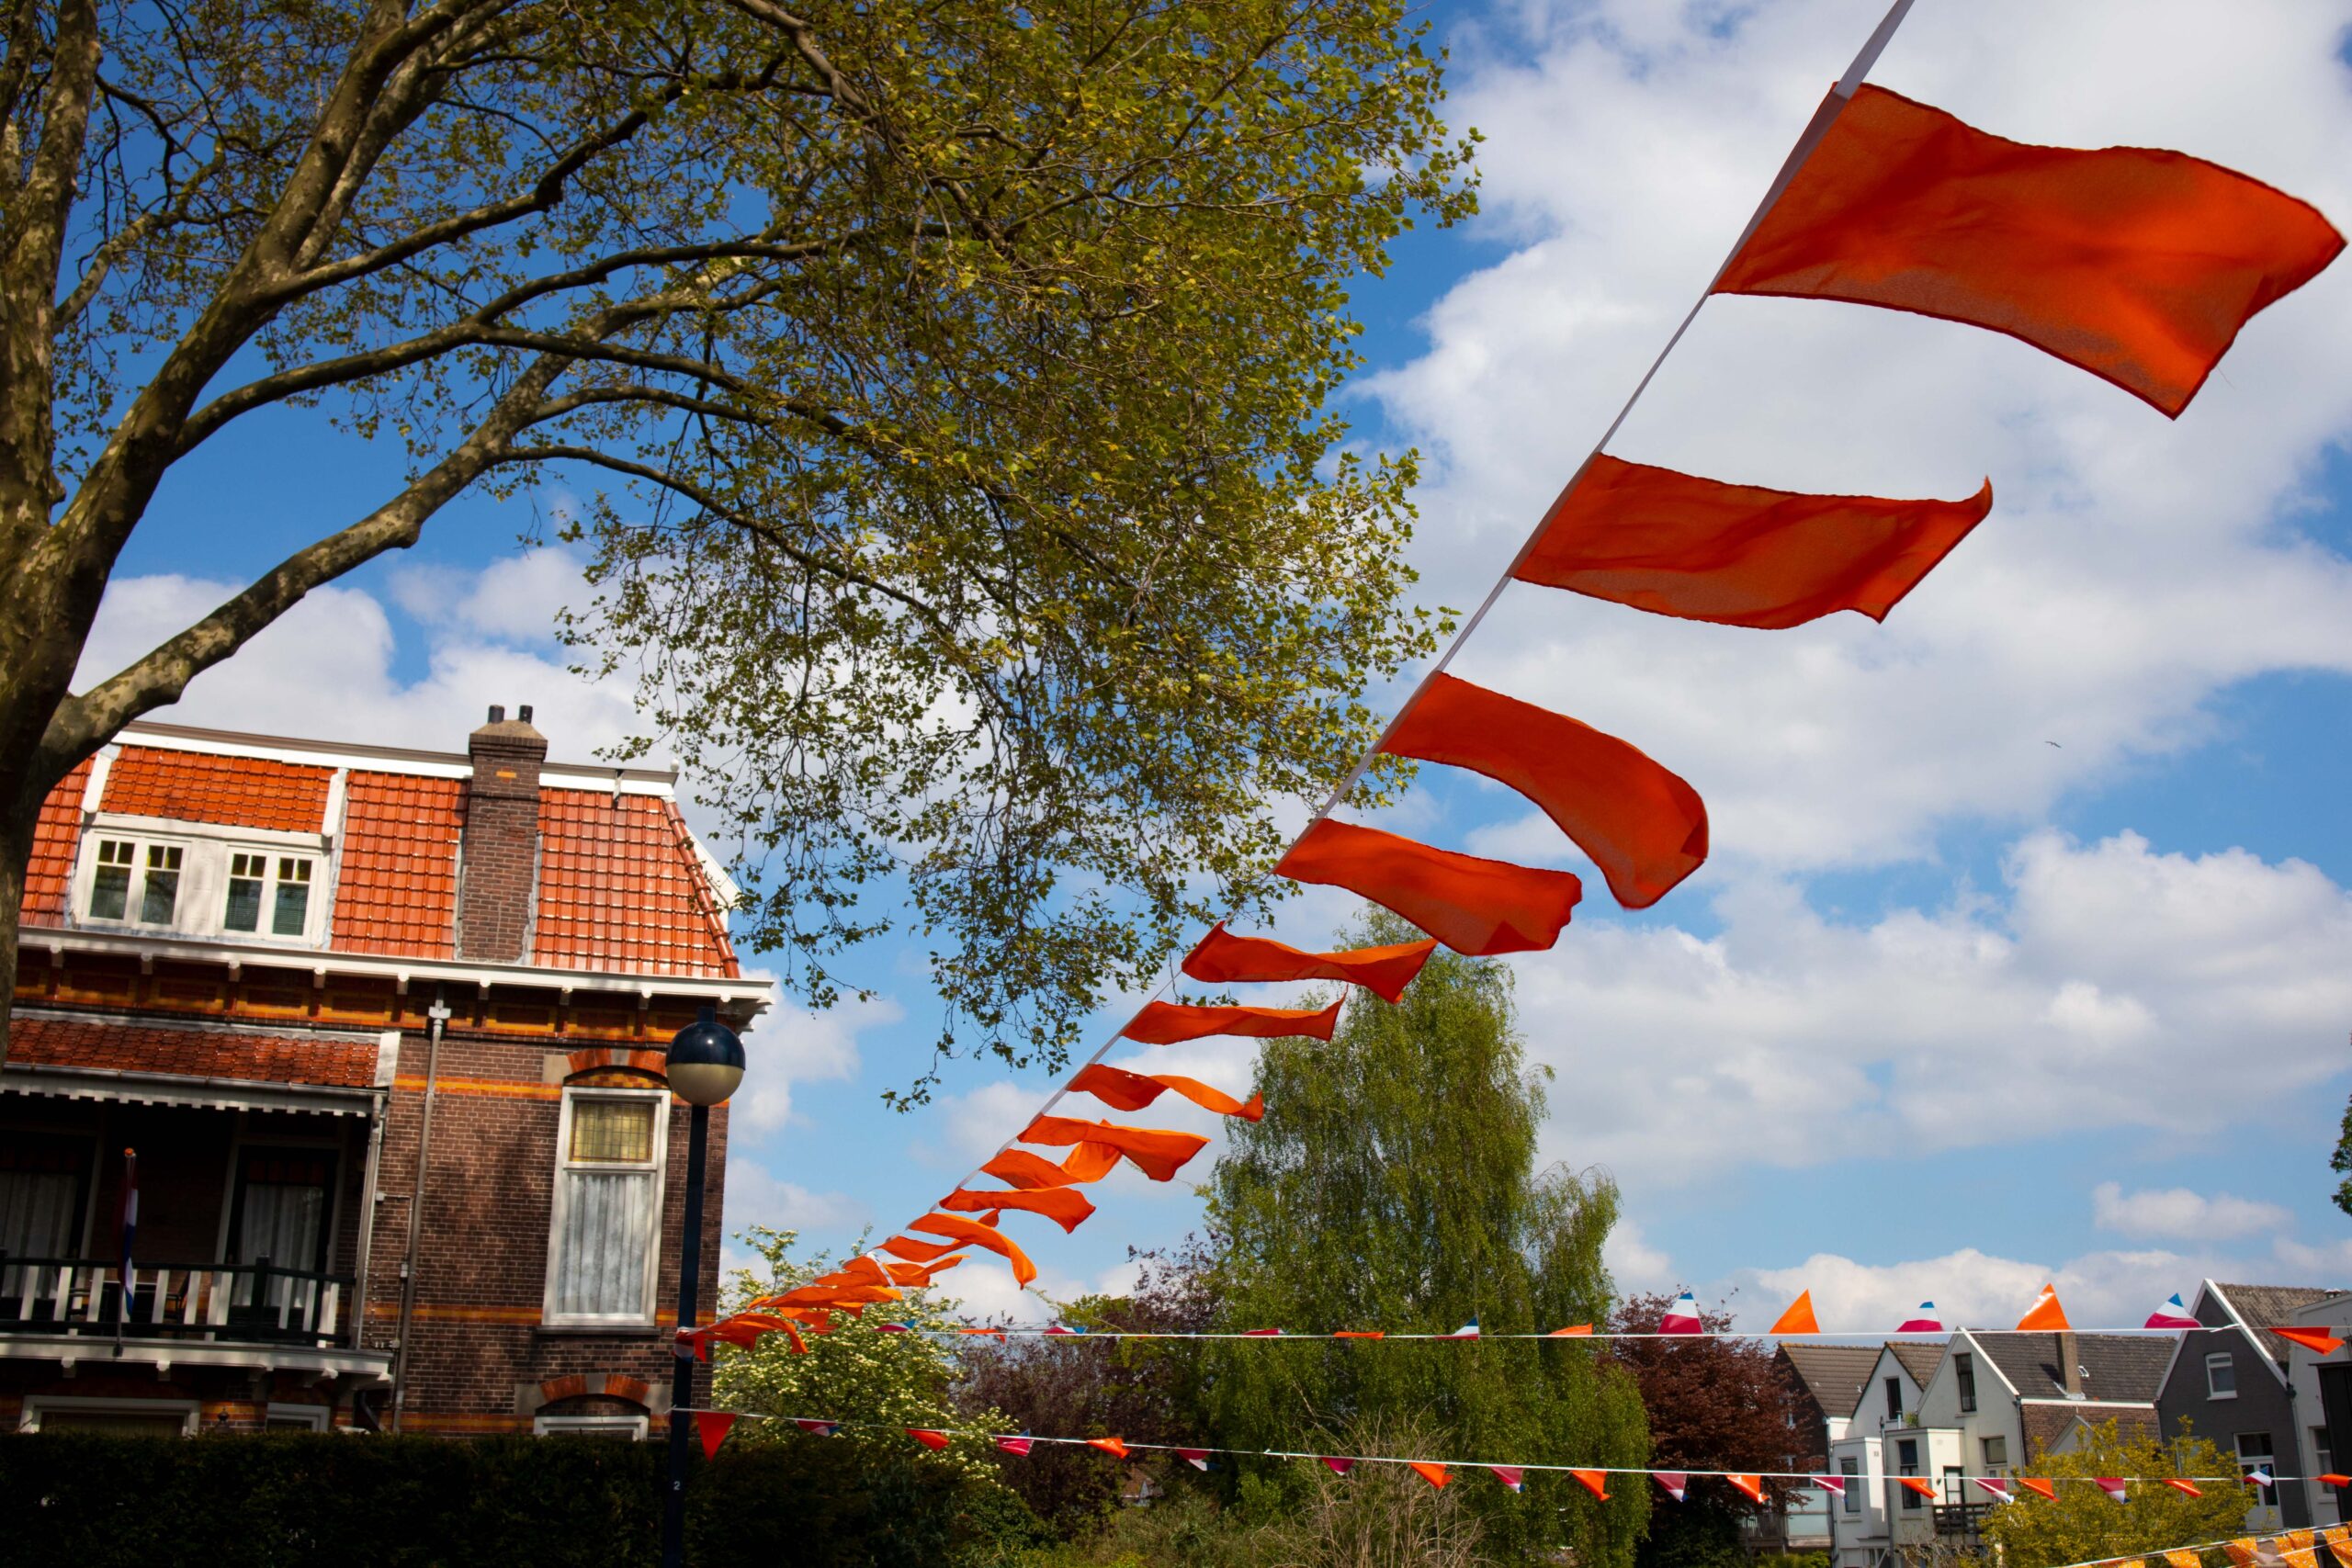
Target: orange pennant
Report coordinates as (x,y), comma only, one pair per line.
(712,1427)
(1159,1153)
(1061,1204)
(1595,1481)
(1924,1488)
(1115,1448)
(2140,267)
(2317,1340)
(1361,1334)
(2032,1483)
(1573,1331)
(1433,1473)
(1751,1485)
(927,1437)
(1798,1318)
(2045,1313)
(968,1232)
(1018,1167)
(2179,1484)
(1476,906)
(1642,826)
(1224,958)
(1170,1023)
(1124,1090)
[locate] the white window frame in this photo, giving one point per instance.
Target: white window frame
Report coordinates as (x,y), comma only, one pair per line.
(314,1418)
(1995,1466)
(637,1427)
(558,1208)
(39,1405)
(2228,1364)
(202,906)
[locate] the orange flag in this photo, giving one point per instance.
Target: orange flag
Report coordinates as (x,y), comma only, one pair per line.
(1166,1023)
(1924,1488)
(1477,906)
(1158,1154)
(927,1437)
(1433,1473)
(2045,1313)
(1115,1448)
(1642,826)
(970,1233)
(2140,267)
(1798,1318)
(1739,554)
(1595,1481)
(2045,1488)
(1751,1485)
(1067,1209)
(712,1427)
(1018,1167)
(1225,959)
(2317,1340)
(2179,1484)
(1124,1090)
(1573,1331)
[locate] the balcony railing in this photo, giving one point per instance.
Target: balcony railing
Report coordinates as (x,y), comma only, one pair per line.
(222,1302)
(1962,1518)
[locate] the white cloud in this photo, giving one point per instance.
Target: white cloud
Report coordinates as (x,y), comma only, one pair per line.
(755,1196)
(792,1045)
(2179,1212)
(1633,1264)
(1971,1289)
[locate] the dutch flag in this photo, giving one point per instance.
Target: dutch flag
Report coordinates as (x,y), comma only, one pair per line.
(1682,1318)
(2171,1314)
(1510,1475)
(1467,1331)
(1924,1321)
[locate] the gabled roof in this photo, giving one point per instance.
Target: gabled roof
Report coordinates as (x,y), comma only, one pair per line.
(2119,1368)
(1919,1359)
(2047,1424)
(1835,1375)
(2259,1306)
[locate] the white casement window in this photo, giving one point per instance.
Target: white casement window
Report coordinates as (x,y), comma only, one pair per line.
(194,882)
(1849,1470)
(1996,1453)
(2221,1377)
(629,1429)
(142,888)
(279,885)
(606,1230)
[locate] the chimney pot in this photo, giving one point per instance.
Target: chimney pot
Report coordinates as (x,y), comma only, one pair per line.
(497,713)
(524,713)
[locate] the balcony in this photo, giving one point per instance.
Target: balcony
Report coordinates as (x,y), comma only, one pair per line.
(1961,1521)
(252,1315)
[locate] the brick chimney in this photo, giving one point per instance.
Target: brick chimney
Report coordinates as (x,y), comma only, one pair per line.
(498,857)
(2070,1365)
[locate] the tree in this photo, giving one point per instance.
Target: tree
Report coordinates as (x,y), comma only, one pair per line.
(1393,1186)
(2341,1162)
(955,378)
(1712,1405)
(2083,1523)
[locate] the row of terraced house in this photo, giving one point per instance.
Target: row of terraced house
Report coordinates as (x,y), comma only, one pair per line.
(383,1029)
(1994,1402)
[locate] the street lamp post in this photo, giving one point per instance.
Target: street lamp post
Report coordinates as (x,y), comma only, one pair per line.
(706,1064)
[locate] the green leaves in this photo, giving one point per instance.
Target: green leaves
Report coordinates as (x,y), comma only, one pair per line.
(2083,1523)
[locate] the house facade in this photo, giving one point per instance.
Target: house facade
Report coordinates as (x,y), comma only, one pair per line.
(2320,1390)
(2231,1381)
(1882,1444)
(1828,1381)
(375,1038)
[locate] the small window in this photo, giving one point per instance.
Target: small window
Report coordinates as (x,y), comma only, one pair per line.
(1850,1471)
(627,1428)
(296,1418)
(1907,1462)
(612,1132)
(1952,1483)
(2253,1453)
(110,888)
(293,909)
(1894,1398)
(1963,1371)
(159,894)
(607,1208)
(251,888)
(2221,1377)
(1997,1452)
(247,877)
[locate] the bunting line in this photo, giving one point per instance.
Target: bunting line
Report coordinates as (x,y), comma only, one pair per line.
(1578,1334)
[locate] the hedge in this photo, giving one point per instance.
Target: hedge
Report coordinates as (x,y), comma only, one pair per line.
(288,1500)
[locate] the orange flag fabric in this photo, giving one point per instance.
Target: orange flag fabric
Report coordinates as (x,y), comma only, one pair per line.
(2140,266)
(1476,906)
(2179,1484)
(1067,1209)
(1167,1023)
(2045,1314)
(1595,1481)
(1798,1318)
(1114,1447)
(1224,958)
(2317,1340)
(927,1437)
(1573,1331)
(1751,1485)
(2033,1484)
(1924,1488)
(1431,1473)
(971,1233)
(1124,1090)
(712,1427)
(1642,826)
(1158,1154)
(1739,554)
(1018,1167)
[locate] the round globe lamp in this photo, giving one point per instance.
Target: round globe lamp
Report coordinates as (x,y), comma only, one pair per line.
(706,1061)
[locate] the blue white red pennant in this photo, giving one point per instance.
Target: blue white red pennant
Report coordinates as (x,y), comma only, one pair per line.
(1672,1482)
(1682,1318)
(2171,1314)
(1924,1321)
(1510,1475)
(1467,1331)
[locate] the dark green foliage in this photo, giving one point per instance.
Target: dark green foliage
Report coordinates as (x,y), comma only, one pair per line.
(294,1500)
(1697,1533)
(2341,1162)
(1392,1185)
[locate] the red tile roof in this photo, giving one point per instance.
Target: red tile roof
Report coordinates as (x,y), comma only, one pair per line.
(238,791)
(397,890)
(191,1053)
(620,887)
(55,834)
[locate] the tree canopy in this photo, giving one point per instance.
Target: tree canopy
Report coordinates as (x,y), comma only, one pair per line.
(1392,1184)
(2082,1523)
(952,385)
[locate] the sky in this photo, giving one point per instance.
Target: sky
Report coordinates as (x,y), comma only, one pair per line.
(2025,950)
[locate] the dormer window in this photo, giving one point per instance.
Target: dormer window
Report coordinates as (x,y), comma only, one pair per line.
(158,892)
(187,881)
(251,888)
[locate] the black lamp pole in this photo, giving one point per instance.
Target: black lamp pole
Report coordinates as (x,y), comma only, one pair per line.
(706,1064)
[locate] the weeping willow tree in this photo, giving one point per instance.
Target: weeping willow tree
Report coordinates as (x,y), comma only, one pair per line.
(1392,1185)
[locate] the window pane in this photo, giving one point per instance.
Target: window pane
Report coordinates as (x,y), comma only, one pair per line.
(293,909)
(243,913)
(601,1250)
(110,891)
(2220,1375)
(161,890)
(612,1131)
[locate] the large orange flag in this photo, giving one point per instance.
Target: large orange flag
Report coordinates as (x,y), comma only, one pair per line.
(2139,266)
(1739,554)
(1018,1167)
(1644,826)
(971,1233)
(1166,1023)
(1224,958)
(1473,906)
(1158,1154)
(1124,1090)
(1066,1208)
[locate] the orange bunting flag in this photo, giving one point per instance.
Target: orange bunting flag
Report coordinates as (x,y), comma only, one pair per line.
(1018,1167)
(2140,267)
(2317,1339)
(1751,1485)
(2045,1488)
(969,1233)
(1065,1208)
(2179,1484)
(712,1427)
(1124,1090)
(1595,1481)
(1156,1153)
(1225,959)
(1924,1488)
(1114,1447)
(1798,1318)
(1433,1473)
(2045,1313)
(1573,1331)
(1360,1334)
(1477,906)
(2184,1557)
(919,1274)
(928,1438)
(1642,826)
(1739,554)
(1168,1023)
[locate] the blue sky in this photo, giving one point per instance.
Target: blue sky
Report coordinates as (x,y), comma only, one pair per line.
(1954,1009)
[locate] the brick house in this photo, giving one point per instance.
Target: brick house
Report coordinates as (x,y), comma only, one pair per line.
(385,1028)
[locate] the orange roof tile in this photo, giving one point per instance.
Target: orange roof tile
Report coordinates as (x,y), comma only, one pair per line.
(397,890)
(620,887)
(239,792)
(55,836)
(191,1053)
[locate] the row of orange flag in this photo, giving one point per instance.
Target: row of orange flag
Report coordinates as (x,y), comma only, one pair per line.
(2139,266)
